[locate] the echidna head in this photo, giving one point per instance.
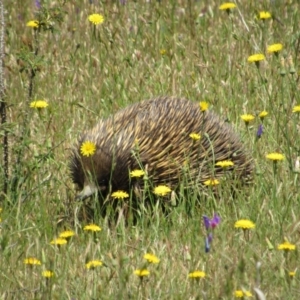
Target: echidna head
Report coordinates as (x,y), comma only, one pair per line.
(91,174)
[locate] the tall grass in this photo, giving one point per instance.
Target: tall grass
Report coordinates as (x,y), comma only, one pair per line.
(145,49)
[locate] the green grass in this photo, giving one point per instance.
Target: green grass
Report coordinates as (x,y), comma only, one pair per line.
(87,73)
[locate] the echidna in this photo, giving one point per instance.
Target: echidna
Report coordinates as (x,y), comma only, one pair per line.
(155,134)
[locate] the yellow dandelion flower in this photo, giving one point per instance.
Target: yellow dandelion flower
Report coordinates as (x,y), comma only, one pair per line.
(296,109)
(211,182)
(39,104)
(32,261)
(137,173)
(248,294)
(286,246)
(88,148)
(142,272)
(274,48)
(292,273)
(151,258)
(119,195)
(59,242)
(227,6)
(203,105)
(96,19)
(93,264)
(263,15)
(163,51)
(47,274)
(33,24)
(66,234)
(263,114)
(92,227)
(238,294)
(162,190)
(244,224)
(242,294)
(247,118)
(195,136)
(225,163)
(197,274)
(256,58)
(275,156)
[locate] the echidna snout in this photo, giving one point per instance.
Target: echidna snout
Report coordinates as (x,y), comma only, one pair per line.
(88,190)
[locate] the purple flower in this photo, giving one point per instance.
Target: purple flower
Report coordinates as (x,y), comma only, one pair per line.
(215,221)
(206,221)
(211,223)
(260,131)
(38,4)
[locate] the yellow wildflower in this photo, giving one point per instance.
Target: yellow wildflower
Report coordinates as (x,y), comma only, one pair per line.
(59,242)
(225,163)
(163,51)
(227,6)
(47,274)
(96,19)
(275,156)
(142,272)
(296,109)
(286,246)
(247,118)
(119,195)
(137,173)
(263,15)
(93,264)
(263,114)
(39,104)
(242,294)
(256,58)
(203,105)
(88,148)
(274,48)
(211,182)
(151,258)
(292,273)
(197,274)
(195,136)
(238,294)
(92,227)
(32,261)
(33,24)
(66,234)
(245,224)
(162,190)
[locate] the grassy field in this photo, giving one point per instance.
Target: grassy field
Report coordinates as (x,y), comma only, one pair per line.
(144,49)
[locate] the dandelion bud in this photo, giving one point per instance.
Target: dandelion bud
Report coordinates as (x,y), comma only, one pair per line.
(291,65)
(282,69)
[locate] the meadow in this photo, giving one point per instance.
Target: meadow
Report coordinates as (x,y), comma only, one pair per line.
(243,60)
